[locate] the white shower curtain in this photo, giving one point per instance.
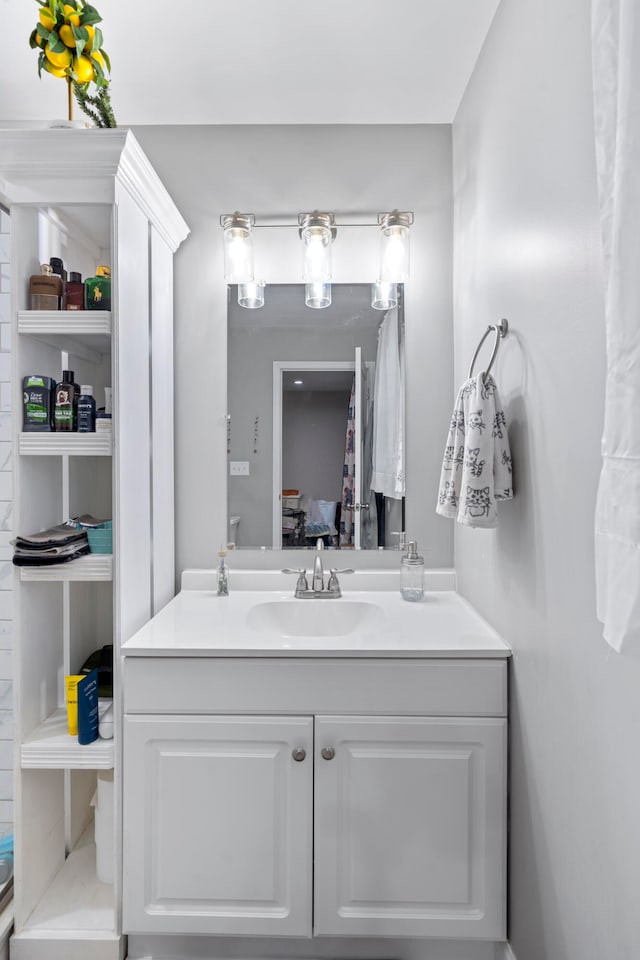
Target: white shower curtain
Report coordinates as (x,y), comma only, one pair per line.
(388,475)
(616,75)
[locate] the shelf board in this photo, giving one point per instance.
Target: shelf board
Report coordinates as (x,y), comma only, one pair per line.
(76,917)
(83,333)
(51,747)
(66,444)
(93,566)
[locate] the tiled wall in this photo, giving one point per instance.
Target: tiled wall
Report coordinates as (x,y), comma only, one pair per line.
(6,524)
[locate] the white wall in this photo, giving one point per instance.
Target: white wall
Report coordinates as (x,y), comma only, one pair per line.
(6,527)
(270,170)
(527,247)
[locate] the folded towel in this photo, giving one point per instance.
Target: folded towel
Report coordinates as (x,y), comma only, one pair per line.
(476,470)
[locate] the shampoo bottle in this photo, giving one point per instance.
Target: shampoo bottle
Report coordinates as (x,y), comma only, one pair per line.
(86,410)
(412,574)
(66,405)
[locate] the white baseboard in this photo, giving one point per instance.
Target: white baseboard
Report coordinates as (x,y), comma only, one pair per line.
(504,952)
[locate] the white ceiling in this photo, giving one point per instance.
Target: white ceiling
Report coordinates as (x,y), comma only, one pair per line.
(262,61)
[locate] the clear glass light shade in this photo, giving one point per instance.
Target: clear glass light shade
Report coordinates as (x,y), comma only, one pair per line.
(317,295)
(316,238)
(251,295)
(384,295)
(238,249)
(394,247)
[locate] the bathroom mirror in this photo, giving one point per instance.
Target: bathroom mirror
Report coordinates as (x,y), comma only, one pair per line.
(302,432)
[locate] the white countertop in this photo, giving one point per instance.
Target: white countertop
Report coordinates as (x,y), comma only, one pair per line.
(197,623)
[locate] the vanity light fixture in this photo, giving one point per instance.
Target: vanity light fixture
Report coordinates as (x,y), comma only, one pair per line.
(238,246)
(251,294)
(317,232)
(394,246)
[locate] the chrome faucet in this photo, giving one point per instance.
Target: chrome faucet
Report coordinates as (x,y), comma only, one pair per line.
(317,584)
(317,591)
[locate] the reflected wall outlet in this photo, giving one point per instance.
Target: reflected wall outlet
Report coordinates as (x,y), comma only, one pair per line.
(238,468)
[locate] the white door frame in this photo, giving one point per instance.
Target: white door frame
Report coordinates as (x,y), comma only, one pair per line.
(279,366)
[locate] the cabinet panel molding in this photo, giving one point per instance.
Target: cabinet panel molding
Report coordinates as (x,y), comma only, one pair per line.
(217,825)
(409,827)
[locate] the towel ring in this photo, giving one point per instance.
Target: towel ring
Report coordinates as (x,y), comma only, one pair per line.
(500,329)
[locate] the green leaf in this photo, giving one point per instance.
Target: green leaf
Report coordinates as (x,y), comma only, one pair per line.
(41,60)
(106,59)
(55,43)
(32,39)
(98,39)
(90,15)
(99,78)
(81,37)
(42,32)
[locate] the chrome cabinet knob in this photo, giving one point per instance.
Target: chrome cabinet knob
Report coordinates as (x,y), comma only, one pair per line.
(327,753)
(298,754)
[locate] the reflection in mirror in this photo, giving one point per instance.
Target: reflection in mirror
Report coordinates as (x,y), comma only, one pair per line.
(315,438)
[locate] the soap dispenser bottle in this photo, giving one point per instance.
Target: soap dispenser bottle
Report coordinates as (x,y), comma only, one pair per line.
(412,574)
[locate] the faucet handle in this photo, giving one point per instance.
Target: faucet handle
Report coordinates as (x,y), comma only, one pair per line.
(301,573)
(333,587)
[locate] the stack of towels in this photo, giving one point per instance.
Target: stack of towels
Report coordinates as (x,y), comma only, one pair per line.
(476,470)
(58,544)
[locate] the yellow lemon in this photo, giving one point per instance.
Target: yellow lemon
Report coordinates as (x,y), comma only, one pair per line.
(83,69)
(67,37)
(59,60)
(99,58)
(56,71)
(45,18)
(91,31)
(71,15)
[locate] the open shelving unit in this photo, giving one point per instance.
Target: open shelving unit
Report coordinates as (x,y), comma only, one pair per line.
(91,197)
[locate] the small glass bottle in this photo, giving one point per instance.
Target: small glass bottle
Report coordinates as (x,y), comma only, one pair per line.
(97,290)
(45,289)
(412,574)
(65,413)
(222,578)
(74,292)
(86,410)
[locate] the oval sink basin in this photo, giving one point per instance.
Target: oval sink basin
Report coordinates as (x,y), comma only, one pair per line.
(313,618)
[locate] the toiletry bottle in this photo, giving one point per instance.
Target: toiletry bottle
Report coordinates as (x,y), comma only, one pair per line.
(222,579)
(37,403)
(45,289)
(58,268)
(65,415)
(97,290)
(74,292)
(412,574)
(86,410)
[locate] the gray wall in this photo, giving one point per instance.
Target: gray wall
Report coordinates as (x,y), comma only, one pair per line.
(312,422)
(528,247)
(267,170)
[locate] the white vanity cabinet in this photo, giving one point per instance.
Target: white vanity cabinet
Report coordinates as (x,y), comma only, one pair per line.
(90,197)
(315,797)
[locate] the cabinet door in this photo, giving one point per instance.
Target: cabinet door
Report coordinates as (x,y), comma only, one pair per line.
(217,825)
(410,827)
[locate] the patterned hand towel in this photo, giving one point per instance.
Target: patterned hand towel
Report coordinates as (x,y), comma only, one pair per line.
(476,470)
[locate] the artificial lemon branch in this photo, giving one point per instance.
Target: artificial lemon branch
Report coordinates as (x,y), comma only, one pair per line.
(70,46)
